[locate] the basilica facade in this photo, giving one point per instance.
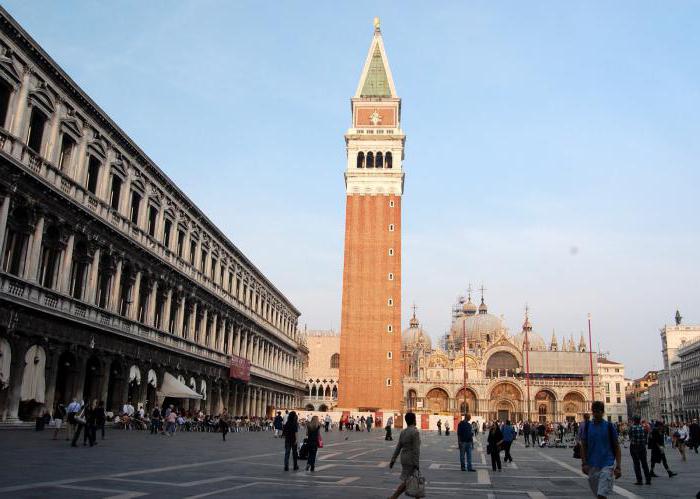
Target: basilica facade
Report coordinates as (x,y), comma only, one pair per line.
(114,285)
(481,368)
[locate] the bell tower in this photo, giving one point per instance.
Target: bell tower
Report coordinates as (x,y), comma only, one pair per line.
(370,331)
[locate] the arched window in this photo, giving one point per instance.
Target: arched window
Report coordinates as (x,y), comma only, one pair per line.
(389,160)
(334,393)
(335,361)
(360,160)
(379,163)
(327,392)
(370,160)
(313,391)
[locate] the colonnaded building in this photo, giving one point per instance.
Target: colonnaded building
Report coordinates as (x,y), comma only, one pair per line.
(480,364)
(113,284)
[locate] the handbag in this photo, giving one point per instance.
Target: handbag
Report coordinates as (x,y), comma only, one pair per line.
(320,441)
(415,485)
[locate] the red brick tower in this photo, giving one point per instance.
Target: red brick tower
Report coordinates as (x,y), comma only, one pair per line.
(370,331)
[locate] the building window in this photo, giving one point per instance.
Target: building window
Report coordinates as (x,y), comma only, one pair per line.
(389,355)
(167,229)
(389,328)
(379,162)
(115,192)
(5,96)
(50,257)
(135,206)
(15,252)
(391,276)
(203,260)
(335,361)
(619,400)
(390,302)
(388,160)
(35,134)
(391,203)
(93,174)
(391,251)
(607,400)
(391,227)
(213,269)
(180,243)
(388,382)
(67,148)
(152,220)
(617,387)
(193,251)
(360,160)
(370,160)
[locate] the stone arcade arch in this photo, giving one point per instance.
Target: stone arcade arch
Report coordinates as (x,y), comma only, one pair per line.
(505,402)
(573,406)
(545,406)
(471,406)
(437,400)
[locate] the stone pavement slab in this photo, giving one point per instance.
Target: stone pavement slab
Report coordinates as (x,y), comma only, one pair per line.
(130,464)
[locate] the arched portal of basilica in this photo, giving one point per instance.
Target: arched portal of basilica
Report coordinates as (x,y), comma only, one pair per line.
(480,358)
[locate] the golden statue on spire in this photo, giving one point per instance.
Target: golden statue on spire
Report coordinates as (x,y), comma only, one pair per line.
(376,24)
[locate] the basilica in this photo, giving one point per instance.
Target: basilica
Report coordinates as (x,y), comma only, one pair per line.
(481,368)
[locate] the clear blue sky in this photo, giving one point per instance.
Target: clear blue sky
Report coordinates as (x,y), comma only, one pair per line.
(552,149)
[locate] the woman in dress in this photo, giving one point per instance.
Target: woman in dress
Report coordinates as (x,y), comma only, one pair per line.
(313,433)
(409,448)
(289,433)
(495,440)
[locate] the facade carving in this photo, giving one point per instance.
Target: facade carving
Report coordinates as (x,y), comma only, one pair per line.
(110,276)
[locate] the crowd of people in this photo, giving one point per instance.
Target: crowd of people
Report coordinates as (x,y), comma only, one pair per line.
(595,441)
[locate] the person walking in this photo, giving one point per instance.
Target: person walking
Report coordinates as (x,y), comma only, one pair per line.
(638,450)
(694,435)
(465,440)
(100,419)
(91,423)
(79,421)
(224,424)
(370,423)
(408,447)
(313,433)
(447,427)
(389,425)
(289,433)
(681,436)
(59,415)
(277,424)
(508,437)
(600,453)
(658,454)
(493,447)
(71,411)
(327,423)
(526,433)
(439,426)
(155,420)
(535,440)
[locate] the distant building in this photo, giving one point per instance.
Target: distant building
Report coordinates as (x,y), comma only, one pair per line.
(637,395)
(689,355)
(322,370)
(483,369)
(673,338)
(612,379)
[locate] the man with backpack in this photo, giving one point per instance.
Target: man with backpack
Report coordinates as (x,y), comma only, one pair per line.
(600,452)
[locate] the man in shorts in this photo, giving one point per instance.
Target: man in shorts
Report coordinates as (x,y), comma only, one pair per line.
(600,453)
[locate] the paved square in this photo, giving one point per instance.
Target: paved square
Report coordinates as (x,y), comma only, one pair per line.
(136,464)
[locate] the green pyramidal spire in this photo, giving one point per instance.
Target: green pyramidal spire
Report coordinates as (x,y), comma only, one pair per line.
(376,83)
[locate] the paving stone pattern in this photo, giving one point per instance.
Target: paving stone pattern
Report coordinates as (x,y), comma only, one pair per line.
(135,464)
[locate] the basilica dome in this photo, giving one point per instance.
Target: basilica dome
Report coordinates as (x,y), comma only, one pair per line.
(536,341)
(415,337)
(479,328)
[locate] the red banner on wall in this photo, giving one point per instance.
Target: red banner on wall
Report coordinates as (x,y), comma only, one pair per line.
(240,368)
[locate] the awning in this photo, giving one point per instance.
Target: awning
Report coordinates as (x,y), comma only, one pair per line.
(172,387)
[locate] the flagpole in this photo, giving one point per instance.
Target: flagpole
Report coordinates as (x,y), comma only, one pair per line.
(590,357)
